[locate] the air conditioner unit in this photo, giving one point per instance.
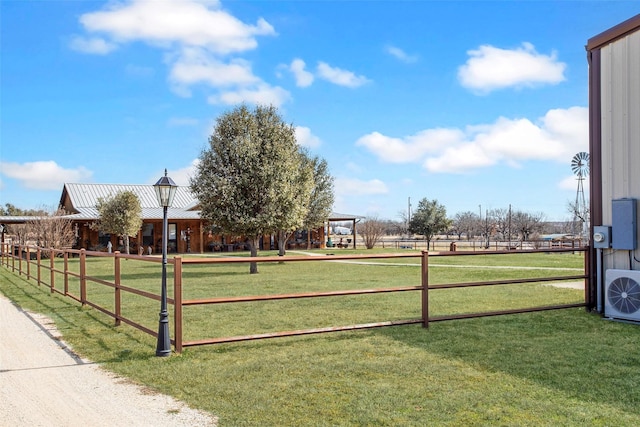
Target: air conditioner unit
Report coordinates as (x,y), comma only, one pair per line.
(622,294)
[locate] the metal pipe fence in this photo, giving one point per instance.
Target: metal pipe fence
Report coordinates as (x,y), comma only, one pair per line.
(32,261)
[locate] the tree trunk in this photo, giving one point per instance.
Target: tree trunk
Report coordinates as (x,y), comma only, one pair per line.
(126,245)
(283,237)
(253,247)
(282,243)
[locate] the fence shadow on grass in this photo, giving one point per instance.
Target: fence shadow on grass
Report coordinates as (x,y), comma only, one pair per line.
(577,353)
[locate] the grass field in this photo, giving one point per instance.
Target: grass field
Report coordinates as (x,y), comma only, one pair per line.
(564,367)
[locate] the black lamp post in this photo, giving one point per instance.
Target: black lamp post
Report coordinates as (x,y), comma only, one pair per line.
(165,190)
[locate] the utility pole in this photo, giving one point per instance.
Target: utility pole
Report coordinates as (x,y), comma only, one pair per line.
(408,215)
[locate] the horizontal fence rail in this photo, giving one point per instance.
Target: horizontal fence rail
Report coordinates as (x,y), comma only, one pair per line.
(24,259)
(32,261)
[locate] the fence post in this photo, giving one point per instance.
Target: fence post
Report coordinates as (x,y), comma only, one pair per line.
(20,273)
(52,273)
(117,293)
(66,273)
(83,276)
(177,302)
(425,288)
(13,258)
(587,280)
(28,261)
(38,262)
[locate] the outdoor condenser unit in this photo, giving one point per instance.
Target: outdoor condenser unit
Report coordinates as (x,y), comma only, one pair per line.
(622,295)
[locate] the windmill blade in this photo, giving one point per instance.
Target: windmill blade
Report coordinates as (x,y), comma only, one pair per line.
(580,164)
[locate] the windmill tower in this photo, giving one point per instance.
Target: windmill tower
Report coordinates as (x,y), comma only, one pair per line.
(580,167)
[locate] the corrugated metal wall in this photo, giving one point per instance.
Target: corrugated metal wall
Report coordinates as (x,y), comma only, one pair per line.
(620,86)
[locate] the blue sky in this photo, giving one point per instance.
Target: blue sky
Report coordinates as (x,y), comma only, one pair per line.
(479,105)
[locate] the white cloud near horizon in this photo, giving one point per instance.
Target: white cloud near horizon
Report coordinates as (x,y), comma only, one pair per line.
(197,37)
(305,138)
(489,68)
(44,175)
(400,54)
(555,137)
(571,183)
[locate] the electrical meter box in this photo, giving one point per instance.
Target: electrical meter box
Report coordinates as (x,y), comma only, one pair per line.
(624,224)
(601,236)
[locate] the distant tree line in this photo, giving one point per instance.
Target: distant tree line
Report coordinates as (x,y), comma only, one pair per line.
(430,219)
(11,210)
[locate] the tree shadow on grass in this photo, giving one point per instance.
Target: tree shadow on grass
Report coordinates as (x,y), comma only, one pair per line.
(578,353)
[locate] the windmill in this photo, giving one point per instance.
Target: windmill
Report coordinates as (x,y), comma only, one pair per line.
(580,167)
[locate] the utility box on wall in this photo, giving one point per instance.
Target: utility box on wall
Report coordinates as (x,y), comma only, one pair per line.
(601,236)
(624,224)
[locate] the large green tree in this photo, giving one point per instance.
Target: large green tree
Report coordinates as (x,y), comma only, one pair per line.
(320,199)
(429,219)
(251,180)
(120,214)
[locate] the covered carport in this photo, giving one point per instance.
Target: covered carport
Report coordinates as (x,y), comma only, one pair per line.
(341,217)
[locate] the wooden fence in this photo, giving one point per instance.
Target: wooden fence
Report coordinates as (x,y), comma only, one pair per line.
(32,261)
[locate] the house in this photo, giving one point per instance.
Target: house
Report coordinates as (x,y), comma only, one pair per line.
(614,145)
(187,231)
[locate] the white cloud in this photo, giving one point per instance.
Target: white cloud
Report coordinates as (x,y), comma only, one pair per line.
(339,76)
(400,54)
(349,187)
(460,159)
(196,36)
(183,22)
(305,138)
(181,176)
(410,149)
(195,65)
(303,77)
(93,45)
(44,175)
(571,183)
(556,137)
(490,68)
(262,93)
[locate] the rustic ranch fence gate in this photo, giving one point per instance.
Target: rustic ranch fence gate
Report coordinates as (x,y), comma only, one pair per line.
(35,263)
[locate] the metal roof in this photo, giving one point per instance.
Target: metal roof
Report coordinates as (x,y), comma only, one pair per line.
(335,216)
(87,195)
(147,213)
(17,219)
(83,199)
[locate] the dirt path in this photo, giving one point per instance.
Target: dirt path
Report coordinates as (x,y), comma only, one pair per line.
(43,383)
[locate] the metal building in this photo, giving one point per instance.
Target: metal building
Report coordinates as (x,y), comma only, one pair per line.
(614,145)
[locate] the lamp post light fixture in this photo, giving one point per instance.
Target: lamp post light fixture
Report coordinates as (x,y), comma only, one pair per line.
(165,190)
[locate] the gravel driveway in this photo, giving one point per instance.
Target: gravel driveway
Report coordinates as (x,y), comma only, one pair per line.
(43,383)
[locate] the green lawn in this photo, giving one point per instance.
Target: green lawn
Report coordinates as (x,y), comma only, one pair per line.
(563,367)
